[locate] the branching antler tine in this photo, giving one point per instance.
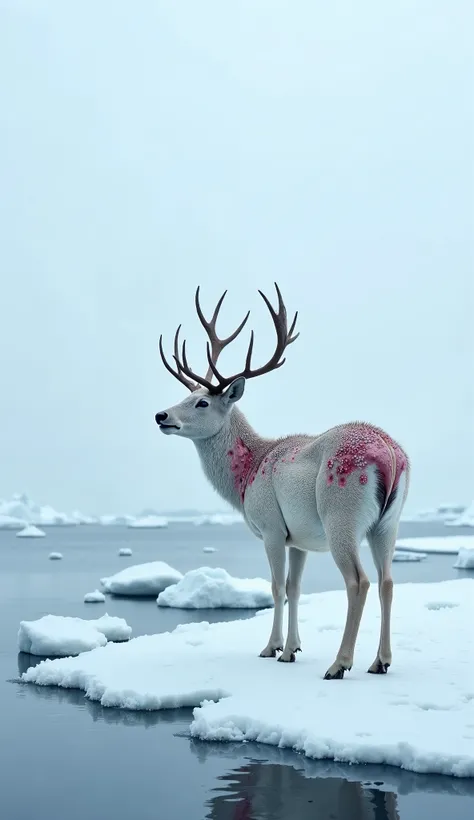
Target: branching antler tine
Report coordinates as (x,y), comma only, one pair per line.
(176,373)
(281,304)
(210,326)
(213,321)
(183,355)
(212,367)
(248,359)
(269,305)
(176,347)
(234,335)
(290,338)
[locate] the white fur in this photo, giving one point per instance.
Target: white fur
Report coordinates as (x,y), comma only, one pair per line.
(291,506)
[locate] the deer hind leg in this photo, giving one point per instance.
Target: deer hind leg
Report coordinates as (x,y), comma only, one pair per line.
(345,551)
(276,554)
(293,587)
(382,545)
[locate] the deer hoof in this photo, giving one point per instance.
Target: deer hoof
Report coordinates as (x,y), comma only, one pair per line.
(378,667)
(270,651)
(290,656)
(336,672)
(288,659)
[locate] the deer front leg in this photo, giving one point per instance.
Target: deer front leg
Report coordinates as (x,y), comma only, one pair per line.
(293,586)
(275,549)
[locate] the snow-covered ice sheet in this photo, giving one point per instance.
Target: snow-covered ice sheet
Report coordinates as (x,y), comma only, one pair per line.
(95,597)
(9,522)
(465,559)
(207,588)
(420,716)
(152,522)
(63,636)
(441,544)
(30,532)
(20,506)
(408,556)
(142,579)
(465,519)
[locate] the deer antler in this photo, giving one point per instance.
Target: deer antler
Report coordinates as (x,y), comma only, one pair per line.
(215,346)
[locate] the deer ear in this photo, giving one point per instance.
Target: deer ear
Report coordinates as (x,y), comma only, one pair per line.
(234,392)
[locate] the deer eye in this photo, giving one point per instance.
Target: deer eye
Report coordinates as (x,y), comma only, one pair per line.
(202,403)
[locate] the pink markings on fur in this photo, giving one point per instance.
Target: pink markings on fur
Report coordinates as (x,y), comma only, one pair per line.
(330,478)
(241,465)
(363,445)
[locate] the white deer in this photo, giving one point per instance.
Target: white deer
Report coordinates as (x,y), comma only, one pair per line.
(307,493)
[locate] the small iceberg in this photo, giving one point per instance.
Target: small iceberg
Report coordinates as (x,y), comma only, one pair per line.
(30,531)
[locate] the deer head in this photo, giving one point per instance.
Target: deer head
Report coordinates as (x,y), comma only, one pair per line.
(202,414)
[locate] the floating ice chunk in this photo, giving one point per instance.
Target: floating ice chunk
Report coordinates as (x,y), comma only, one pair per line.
(151,522)
(465,559)
(125,551)
(408,556)
(414,718)
(209,549)
(55,556)
(80,518)
(21,506)
(30,531)
(9,522)
(465,519)
(208,588)
(223,519)
(142,579)
(444,514)
(56,635)
(115,520)
(443,545)
(95,597)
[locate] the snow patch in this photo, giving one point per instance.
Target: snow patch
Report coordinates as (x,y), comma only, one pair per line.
(151,522)
(199,664)
(55,556)
(125,551)
(22,507)
(221,519)
(443,545)
(95,597)
(58,635)
(142,579)
(115,520)
(444,514)
(207,588)
(209,549)
(466,519)
(408,556)
(9,522)
(465,559)
(30,531)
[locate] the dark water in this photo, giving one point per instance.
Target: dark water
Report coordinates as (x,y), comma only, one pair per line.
(64,757)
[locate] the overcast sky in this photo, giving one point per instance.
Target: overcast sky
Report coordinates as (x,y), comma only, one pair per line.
(149,147)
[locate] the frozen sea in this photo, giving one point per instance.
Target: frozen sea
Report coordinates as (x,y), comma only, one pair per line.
(62,756)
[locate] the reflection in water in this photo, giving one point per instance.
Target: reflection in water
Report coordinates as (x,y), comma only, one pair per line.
(265,782)
(259,791)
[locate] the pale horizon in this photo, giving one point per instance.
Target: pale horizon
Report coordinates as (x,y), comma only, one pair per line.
(175,145)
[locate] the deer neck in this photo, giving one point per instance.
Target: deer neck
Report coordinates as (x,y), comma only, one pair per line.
(232,456)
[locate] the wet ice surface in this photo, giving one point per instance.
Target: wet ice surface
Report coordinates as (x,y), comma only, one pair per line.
(148,766)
